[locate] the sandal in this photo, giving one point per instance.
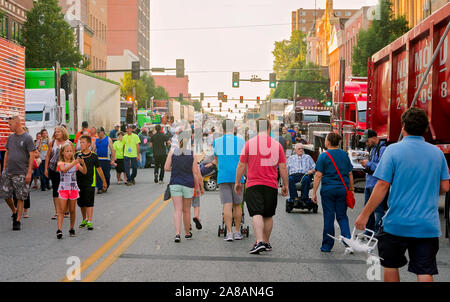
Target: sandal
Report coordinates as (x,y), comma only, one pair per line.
(55,217)
(25,215)
(66,215)
(198,225)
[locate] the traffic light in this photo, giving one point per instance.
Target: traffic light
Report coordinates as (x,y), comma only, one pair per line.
(202,96)
(208,105)
(130,99)
(220,96)
(180,97)
(272,80)
(235,105)
(235,79)
(241,100)
(229,110)
(225,98)
(135,70)
(220,105)
(246,106)
(258,99)
(328,103)
(180,68)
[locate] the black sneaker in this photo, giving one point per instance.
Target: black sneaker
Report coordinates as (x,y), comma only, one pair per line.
(128,184)
(14,217)
(72,233)
(156,180)
(133,182)
(268,247)
(59,234)
(100,191)
(16,225)
(188,236)
(177,238)
(258,247)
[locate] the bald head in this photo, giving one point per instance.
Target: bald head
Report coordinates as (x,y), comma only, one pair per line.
(299,149)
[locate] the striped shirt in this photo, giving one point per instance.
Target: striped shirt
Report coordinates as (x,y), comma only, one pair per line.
(300,164)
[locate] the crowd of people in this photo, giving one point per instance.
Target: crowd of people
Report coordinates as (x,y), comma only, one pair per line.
(400,199)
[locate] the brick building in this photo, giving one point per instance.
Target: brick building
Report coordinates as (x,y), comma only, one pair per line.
(360,20)
(173,85)
(129,28)
(303,19)
(88,20)
(13,18)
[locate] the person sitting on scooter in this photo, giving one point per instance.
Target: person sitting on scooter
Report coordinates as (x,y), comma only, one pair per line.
(300,168)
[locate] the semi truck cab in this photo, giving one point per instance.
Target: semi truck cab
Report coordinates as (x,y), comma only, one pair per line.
(41,110)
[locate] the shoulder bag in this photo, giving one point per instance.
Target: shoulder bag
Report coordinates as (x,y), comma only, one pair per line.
(349,197)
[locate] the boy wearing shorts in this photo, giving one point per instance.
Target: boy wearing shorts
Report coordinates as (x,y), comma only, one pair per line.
(87,182)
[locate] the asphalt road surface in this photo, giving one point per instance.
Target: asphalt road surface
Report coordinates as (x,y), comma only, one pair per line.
(133,241)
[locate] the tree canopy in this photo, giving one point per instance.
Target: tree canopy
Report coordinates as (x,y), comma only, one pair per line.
(48,38)
(145,89)
(290,64)
(385,28)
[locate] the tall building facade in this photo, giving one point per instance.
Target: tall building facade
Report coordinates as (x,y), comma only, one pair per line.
(129,29)
(13,17)
(89,18)
(303,19)
(416,10)
(359,21)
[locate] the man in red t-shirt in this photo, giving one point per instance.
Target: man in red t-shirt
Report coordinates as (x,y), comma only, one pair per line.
(261,156)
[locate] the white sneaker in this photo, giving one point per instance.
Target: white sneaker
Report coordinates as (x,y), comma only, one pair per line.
(161,182)
(237,236)
(229,237)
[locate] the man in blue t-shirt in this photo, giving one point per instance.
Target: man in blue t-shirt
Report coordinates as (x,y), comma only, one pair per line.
(416,173)
(227,150)
(376,147)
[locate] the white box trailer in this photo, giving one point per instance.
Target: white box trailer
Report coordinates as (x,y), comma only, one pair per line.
(85,97)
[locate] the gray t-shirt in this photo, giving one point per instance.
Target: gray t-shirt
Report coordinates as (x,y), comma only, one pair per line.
(19,148)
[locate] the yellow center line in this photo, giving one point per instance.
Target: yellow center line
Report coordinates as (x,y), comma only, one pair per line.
(119,250)
(111,242)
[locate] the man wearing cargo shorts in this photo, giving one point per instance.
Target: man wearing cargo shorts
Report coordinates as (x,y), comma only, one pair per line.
(227,150)
(18,168)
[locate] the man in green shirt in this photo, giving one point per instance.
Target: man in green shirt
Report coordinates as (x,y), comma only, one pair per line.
(131,154)
(287,136)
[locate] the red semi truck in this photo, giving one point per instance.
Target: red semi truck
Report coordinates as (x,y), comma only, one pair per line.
(395,75)
(12,86)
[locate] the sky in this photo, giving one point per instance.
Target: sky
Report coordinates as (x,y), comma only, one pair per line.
(217,37)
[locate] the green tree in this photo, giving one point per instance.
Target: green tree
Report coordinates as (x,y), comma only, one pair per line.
(144,89)
(48,37)
(289,64)
(385,28)
(289,52)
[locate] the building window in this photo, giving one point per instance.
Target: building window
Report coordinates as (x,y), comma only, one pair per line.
(303,28)
(348,14)
(338,14)
(303,21)
(4,26)
(303,13)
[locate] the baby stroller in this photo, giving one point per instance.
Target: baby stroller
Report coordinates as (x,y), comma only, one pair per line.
(245,230)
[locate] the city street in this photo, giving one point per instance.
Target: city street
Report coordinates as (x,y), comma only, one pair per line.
(133,241)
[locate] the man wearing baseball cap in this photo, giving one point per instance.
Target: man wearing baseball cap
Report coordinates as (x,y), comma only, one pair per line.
(376,148)
(113,133)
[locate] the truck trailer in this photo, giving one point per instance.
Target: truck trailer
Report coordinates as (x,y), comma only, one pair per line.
(86,97)
(395,84)
(12,86)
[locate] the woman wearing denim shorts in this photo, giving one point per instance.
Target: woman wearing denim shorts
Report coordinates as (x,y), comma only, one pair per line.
(184,177)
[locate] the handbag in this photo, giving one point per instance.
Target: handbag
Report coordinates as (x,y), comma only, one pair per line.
(349,197)
(167,194)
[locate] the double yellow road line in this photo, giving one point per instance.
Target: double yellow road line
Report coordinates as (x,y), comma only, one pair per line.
(122,247)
